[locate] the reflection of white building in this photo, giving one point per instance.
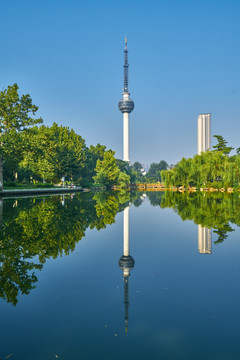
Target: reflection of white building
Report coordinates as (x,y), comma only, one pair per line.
(204,240)
(126,262)
(204,132)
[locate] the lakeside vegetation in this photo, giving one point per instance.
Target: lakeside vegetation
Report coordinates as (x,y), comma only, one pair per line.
(212,169)
(32,153)
(211,210)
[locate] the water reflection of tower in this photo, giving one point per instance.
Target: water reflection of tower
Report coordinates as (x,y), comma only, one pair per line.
(1,219)
(204,240)
(126,263)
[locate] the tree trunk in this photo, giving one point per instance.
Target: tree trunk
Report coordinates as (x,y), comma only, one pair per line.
(1,173)
(1,212)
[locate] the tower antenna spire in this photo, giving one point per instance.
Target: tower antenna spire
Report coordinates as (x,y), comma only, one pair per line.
(125,66)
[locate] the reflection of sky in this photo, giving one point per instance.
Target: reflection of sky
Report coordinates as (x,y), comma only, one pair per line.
(182,305)
(184,60)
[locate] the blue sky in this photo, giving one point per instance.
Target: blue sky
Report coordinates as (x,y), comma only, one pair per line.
(184,60)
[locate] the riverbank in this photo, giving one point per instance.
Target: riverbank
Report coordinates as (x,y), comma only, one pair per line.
(37,191)
(138,187)
(161,187)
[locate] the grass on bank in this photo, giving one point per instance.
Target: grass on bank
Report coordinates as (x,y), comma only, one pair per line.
(15,185)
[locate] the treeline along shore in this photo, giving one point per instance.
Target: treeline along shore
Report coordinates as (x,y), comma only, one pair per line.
(34,155)
(213,170)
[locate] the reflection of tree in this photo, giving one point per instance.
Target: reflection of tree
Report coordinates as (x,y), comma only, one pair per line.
(106,208)
(211,210)
(43,228)
(138,202)
(108,204)
(15,278)
(155,197)
(222,233)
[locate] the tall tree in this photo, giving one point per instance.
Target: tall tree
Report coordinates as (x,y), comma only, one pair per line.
(16,114)
(54,152)
(222,145)
(154,172)
(107,171)
(137,166)
(93,154)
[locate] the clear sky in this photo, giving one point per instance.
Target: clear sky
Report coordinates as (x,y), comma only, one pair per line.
(184,58)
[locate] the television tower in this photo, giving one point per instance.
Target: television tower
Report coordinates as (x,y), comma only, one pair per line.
(126,106)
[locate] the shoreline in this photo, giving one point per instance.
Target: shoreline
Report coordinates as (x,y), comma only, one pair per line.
(140,187)
(44,191)
(160,187)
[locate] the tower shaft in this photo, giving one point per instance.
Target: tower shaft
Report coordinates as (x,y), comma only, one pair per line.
(125,136)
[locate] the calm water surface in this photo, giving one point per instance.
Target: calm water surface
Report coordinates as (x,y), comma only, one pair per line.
(63,295)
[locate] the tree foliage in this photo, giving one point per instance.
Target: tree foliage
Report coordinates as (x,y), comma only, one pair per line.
(108,172)
(41,153)
(210,169)
(154,172)
(222,145)
(16,114)
(53,152)
(137,166)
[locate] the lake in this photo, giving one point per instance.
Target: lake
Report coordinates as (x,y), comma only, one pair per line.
(174,295)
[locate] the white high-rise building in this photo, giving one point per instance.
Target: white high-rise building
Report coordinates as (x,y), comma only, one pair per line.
(204,132)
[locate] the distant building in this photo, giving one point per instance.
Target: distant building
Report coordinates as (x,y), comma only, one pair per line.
(204,240)
(143,171)
(204,132)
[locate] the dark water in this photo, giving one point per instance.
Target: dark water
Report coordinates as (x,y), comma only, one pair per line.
(62,291)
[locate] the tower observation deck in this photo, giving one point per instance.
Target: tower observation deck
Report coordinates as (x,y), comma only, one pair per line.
(126,106)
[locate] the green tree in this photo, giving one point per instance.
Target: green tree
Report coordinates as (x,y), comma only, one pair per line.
(210,169)
(137,166)
(126,168)
(16,114)
(123,180)
(93,154)
(154,172)
(54,152)
(222,145)
(107,171)
(238,151)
